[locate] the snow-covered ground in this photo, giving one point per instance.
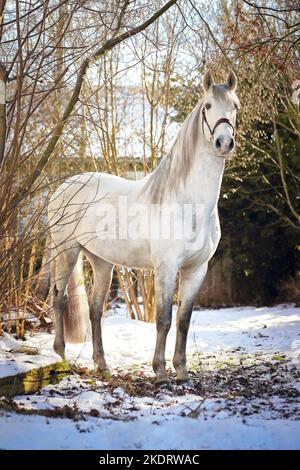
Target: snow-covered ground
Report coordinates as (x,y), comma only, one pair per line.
(245,394)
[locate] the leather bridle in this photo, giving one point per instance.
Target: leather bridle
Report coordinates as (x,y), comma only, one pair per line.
(219,121)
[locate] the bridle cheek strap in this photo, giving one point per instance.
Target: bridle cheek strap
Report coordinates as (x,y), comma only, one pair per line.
(219,121)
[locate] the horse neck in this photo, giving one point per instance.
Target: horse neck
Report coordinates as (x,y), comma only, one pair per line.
(190,172)
(195,159)
(204,180)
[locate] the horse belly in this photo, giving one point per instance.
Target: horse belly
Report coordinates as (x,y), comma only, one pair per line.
(129,253)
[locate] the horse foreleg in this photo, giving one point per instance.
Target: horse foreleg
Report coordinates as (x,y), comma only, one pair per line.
(165,279)
(190,283)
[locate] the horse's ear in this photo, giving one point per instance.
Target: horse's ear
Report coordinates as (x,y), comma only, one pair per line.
(232,81)
(207,80)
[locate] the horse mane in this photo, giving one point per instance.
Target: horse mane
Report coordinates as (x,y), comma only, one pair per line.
(173,170)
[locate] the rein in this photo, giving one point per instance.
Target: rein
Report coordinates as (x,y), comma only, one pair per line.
(219,121)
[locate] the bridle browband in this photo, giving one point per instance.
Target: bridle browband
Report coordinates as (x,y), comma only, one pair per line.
(219,121)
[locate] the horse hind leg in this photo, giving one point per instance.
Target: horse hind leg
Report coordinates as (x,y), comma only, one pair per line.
(102,274)
(64,264)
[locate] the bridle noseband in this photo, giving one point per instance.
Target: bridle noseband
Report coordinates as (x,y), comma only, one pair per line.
(219,121)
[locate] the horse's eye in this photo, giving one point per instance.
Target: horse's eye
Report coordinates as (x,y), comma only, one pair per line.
(236,106)
(207,105)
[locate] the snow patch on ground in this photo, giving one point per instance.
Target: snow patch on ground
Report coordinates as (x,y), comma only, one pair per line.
(174,433)
(13,362)
(245,366)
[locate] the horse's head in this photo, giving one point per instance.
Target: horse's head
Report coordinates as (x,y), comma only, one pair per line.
(218,114)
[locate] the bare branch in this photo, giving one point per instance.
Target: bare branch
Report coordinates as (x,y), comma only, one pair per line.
(104,49)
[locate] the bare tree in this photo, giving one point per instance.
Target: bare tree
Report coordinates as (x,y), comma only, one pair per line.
(47,51)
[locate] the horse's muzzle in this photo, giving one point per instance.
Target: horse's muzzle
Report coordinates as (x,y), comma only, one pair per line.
(224,146)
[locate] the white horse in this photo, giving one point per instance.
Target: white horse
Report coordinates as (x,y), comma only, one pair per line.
(88,213)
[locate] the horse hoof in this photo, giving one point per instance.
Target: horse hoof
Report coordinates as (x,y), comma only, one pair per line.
(105,374)
(164,384)
(60,351)
(186,383)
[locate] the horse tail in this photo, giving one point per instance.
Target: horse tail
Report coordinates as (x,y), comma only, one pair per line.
(76,313)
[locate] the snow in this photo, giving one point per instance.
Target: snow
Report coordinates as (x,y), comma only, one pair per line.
(256,346)
(12,362)
(128,342)
(173,433)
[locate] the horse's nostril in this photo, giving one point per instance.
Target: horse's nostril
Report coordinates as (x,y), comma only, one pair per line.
(218,143)
(231,145)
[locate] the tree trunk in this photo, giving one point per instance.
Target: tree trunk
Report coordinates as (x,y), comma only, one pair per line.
(2,111)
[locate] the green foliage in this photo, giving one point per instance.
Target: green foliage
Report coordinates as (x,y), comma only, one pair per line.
(263,253)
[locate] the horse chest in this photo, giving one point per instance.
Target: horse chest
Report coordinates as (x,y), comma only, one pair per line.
(209,243)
